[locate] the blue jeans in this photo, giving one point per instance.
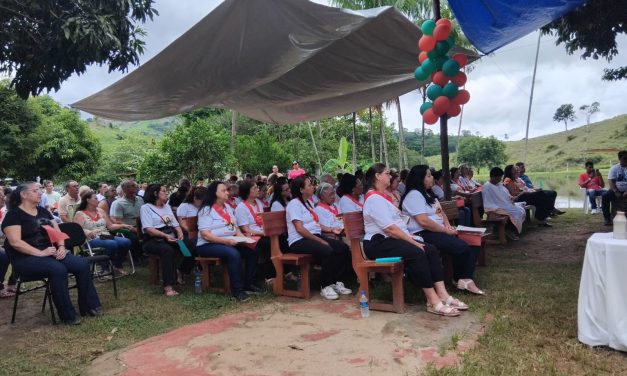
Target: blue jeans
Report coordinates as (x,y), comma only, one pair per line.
(4,266)
(115,248)
(465,217)
(233,257)
(33,268)
(592,196)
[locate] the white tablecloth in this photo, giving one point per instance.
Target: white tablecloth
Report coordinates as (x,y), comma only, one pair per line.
(602,306)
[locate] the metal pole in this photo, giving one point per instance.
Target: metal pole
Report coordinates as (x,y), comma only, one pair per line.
(533,83)
(443,128)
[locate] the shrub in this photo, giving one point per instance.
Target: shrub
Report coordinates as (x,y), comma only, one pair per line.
(571,137)
(551,148)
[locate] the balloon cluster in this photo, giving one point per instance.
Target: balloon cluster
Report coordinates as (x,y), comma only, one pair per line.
(444,71)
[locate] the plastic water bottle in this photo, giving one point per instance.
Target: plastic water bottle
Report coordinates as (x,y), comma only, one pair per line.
(198,282)
(363,305)
(541,184)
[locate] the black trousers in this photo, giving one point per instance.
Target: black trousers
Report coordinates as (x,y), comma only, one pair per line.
(169,255)
(423,268)
(265,254)
(607,200)
(335,258)
(464,256)
(541,201)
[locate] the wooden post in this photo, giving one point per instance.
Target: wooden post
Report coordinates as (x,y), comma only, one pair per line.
(443,128)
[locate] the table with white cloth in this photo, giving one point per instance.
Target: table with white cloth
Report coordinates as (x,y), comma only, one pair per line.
(602,305)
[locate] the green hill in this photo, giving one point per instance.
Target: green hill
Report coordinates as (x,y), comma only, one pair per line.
(111,132)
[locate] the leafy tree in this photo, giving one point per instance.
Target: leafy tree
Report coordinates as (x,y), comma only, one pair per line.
(257,154)
(481,152)
(592,28)
(17,123)
(590,110)
(45,42)
(564,113)
(339,164)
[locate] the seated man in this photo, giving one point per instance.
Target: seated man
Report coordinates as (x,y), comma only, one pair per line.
(552,195)
(593,182)
(126,211)
(496,199)
(618,186)
(69,202)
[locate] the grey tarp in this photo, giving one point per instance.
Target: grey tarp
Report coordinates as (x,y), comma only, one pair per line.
(277,61)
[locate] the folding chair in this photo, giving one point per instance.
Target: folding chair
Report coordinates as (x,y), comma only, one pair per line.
(47,295)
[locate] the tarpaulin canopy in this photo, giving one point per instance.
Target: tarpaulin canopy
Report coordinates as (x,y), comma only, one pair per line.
(491,24)
(277,61)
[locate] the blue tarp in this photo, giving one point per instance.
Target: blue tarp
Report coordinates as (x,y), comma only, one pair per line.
(491,24)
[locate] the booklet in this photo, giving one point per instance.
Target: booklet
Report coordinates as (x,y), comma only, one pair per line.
(242,239)
(474,230)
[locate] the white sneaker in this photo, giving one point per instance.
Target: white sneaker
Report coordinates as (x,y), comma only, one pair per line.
(329,293)
(594,211)
(339,288)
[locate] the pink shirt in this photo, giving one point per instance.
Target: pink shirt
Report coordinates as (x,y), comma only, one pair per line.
(295,173)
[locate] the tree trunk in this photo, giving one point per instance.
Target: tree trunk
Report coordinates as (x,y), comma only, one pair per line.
(313,141)
(371,134)
(233,130)
(422,151)
(354,143)
(383,141)
(566,125)
(401,136)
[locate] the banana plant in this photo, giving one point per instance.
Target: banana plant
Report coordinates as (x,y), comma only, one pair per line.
(339,164)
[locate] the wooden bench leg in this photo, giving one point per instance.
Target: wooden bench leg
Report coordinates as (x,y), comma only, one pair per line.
(447,262)
(226,281)
(153,268)
(206,278)
(482,255)
(398,294)
(305,289)
(502,238)
(277,286)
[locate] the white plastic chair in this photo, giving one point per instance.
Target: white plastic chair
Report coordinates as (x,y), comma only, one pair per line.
(586,201)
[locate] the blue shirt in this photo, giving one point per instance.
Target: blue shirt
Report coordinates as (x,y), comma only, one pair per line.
(527,181)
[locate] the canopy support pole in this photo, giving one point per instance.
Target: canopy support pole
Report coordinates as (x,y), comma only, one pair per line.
(443,128)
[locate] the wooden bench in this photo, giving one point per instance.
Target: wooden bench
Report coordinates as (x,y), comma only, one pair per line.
(206,264)
(354,228)
(496,220)
(452,213)
(274,225)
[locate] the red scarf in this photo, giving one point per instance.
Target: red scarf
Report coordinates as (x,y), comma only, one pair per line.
(313,213)
(232,204)
(332,209)
(94,219)
(224,214)
(350,197)
(254,213)
(385,196)
(265,203)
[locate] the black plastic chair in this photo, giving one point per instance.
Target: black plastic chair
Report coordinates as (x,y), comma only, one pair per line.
(78,239)
(47,296)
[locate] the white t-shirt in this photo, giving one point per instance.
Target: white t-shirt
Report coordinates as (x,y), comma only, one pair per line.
(619,174)
(209,219)
(327,218)
(244,217)
(186,210)
(276,206)
(296,211)
(112,208)
(439,192)
(155,217)
(415,204)
(380,214)
(346,205)
(99,197)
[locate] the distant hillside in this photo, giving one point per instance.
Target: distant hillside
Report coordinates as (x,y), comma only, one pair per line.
(598,142)
(111,132)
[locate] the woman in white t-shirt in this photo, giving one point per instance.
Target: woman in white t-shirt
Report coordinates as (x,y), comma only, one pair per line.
(161,232)
(217,226)
(387,236)
(330,221)
(350,191)
(427,219)
(304,235)
(281,194)
(187,212)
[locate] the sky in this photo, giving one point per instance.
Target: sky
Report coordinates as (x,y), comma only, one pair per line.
(499,84)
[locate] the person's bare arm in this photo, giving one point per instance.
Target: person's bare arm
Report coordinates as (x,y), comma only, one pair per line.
(395,232)
(14,236)
(300,228)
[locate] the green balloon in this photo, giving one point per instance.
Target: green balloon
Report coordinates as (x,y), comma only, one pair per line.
(440,62)
(420,74)
(450,90)
(427,27)
(442,47)
(433,54)
(451,42)
(450,68)
(434,91)
(428,66)
(425,106)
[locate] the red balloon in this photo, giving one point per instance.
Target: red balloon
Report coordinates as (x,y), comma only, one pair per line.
(454,110)
(444,21)
(459,79)
(440,78)
(441,105)
(462,97)
(441,32)
(426,43)
(461,59)
(422,56)
(429,117)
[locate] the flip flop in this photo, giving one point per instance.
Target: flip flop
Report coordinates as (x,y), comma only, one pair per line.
(467,284)
(442,309)
(456,303)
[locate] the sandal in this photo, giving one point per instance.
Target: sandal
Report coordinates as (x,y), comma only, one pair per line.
(511,235)
(170,292)
(179,278)
(455,303)
(441,309)
(469,285)
(6,293)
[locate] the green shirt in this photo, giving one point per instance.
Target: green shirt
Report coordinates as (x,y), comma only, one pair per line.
(127,210)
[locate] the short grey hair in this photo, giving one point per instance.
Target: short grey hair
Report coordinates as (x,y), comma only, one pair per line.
(323,187)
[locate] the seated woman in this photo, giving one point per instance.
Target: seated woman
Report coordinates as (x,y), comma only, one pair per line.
(161,233)
(263,194)
(427,220)
(281,195)
(458,188)
(350,190)
(465,178)
(330,222)
(217,226)
(304,235)
(521,193)
(96,225)
(465,214)
(387,236)
(496,199)
(10,289)
(392,190)
(187,213)
(34,256)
